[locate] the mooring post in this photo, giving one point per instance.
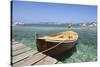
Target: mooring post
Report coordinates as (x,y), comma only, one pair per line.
(36,36)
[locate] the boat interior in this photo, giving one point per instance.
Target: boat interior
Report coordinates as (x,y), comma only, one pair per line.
(69,36)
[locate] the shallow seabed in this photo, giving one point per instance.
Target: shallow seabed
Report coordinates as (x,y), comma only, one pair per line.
(85,49)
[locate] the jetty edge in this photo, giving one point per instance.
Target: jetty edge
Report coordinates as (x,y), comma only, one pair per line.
(22,55)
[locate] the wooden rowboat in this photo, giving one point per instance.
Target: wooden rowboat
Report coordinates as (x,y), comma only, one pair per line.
(58,43)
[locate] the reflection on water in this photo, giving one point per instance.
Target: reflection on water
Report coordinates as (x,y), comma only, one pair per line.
(84,51)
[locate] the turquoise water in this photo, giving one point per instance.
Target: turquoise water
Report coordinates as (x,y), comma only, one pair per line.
(84,51)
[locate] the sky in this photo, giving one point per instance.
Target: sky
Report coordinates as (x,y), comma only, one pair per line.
(36,12)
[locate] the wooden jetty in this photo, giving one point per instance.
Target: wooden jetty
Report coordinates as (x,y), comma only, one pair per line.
(25,56)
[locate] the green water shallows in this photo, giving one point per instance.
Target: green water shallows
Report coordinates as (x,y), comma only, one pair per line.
(85,50)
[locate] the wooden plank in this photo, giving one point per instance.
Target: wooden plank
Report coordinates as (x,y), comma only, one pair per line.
(18,46)
(47,60)
(20,51)
(31,60)
(23,55)
(14,43)
(59,62)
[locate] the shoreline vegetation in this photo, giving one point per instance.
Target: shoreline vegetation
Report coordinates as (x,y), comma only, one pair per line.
(86,48)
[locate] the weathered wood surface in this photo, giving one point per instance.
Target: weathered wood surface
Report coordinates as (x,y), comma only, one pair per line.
(20,51)
(17,46)
(47,60)
(25,56)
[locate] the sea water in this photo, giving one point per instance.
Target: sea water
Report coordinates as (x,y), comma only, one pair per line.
(85,49)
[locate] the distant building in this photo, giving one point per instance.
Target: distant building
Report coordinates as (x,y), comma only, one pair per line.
(92,25)
(95,24)
(17,23)
(83,24)
(88,24)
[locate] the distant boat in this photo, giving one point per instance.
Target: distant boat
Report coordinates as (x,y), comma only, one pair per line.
(58,43)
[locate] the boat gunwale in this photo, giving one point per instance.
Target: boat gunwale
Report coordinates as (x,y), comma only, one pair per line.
(58,41)
(66,41)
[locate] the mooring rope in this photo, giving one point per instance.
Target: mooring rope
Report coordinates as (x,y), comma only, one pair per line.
(52,47)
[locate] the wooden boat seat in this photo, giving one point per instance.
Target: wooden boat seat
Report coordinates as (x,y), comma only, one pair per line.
(69,35)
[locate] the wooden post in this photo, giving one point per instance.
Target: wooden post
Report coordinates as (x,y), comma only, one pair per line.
(36,37)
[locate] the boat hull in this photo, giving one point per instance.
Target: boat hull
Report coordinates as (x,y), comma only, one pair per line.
(44,45)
